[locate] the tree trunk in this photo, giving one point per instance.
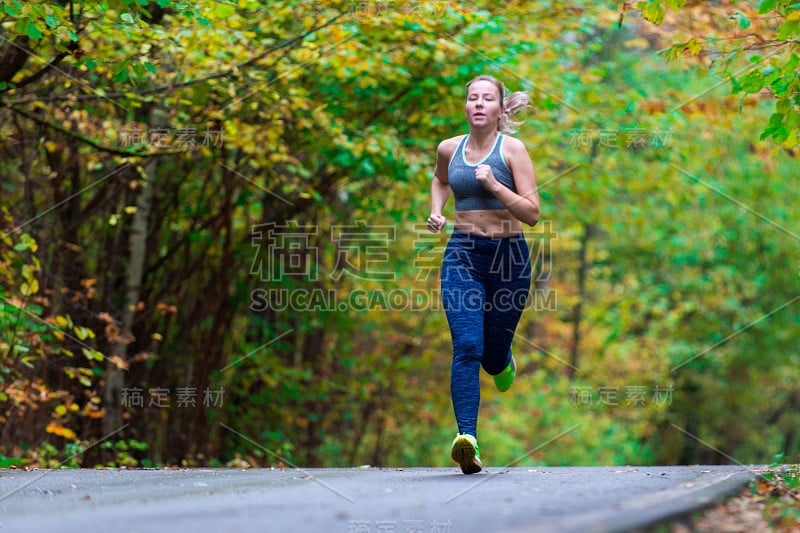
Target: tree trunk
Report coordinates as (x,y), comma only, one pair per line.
(583,269)
(377,452)
(13,56)
(218,305)
(137,248)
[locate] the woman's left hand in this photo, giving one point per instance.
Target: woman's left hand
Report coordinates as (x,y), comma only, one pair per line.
(483,173)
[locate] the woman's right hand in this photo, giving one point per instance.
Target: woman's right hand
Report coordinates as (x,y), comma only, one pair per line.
(436,222)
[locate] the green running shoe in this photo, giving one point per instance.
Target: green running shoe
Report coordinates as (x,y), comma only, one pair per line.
(504,379)
(466,453)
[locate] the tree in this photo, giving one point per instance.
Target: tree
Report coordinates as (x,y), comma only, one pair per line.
(754,48)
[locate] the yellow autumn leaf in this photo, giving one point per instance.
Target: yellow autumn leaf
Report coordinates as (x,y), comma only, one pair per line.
(639,42)
(590,78)
(792,140)
(118,362)
(61,431)
(28,289)
(95,413)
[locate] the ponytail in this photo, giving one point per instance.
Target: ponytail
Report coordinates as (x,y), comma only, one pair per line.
(512,104)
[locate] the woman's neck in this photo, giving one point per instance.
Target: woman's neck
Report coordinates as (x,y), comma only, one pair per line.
(482,138)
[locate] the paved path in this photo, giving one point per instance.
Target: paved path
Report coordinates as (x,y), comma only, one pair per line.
(442,500)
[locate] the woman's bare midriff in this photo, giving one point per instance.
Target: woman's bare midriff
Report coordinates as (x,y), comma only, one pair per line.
(488,222)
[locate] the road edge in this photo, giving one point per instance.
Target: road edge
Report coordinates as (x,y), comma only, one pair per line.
(682,508)
(645,514)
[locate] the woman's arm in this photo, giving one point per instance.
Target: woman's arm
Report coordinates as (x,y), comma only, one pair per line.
(440,186)
(523,204)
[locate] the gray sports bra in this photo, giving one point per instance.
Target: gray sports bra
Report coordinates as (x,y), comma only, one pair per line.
(469,194)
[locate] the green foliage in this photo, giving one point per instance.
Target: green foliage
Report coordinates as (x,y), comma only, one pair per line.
(738,54)
(50,456)
(124,452)
(10,462)
(30,344)
(324,120)
(778,490)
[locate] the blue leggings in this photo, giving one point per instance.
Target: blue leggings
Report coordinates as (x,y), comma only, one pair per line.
(485,286)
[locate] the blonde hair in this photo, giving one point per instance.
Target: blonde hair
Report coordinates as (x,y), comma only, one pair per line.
(512,104)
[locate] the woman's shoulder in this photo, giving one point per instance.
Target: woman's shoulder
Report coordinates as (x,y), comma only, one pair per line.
(513,148)
(512,143)
(448,146)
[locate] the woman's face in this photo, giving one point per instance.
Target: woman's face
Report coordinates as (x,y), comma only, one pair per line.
(483,106)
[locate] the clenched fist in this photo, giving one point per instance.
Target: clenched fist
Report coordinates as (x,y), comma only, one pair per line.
(436,222)
(484,175)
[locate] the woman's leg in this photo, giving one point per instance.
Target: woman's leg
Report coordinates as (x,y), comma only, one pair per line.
(507,292)
(463,298)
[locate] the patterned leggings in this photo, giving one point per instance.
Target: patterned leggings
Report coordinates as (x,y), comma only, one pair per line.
(485,286)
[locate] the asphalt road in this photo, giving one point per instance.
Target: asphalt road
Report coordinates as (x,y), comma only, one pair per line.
(362,500)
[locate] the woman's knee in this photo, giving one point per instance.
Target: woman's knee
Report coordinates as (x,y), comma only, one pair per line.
(467,349)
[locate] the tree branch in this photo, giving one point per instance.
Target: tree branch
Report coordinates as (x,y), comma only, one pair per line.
(36,76)
(90,142)
(172,86)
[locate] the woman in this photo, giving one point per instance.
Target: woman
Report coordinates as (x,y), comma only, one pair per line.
(486,270)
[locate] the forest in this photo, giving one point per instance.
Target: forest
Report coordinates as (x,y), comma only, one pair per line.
(213,247)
